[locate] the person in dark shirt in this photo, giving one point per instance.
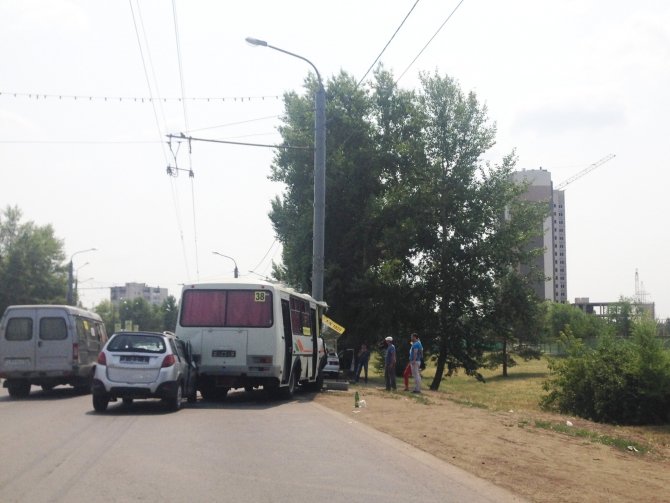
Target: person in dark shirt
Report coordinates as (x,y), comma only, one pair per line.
(389,364)
(362,363)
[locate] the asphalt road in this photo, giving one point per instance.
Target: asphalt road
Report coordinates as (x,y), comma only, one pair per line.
(54,448)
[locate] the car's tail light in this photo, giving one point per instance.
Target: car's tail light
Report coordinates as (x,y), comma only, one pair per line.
(102,359)
(75,352)
(168,361)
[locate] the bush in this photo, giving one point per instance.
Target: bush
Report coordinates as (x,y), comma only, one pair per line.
(619,381)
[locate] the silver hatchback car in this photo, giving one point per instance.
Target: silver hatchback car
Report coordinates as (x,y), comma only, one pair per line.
(144,365)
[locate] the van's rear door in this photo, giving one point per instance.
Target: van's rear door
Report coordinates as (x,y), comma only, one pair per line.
(17,342)
(54,340)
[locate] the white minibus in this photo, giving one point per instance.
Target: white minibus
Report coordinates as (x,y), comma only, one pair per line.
(251,334)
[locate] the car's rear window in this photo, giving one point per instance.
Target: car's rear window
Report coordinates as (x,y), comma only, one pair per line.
(131,343)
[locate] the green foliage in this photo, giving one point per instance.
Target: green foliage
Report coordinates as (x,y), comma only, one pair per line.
(495,359)
(582,326)
(515,318)
(416,238)
(31,258)
(619,381)
(146,316)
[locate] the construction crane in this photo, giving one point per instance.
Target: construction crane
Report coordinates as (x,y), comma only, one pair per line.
(593,166)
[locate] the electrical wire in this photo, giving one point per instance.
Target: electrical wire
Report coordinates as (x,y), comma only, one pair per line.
(429,42)
(83,142)
(146,76)
(151,65)
(192,138)
(264,256)
(175,199)
(179,61)
(136,99)
(186,126)
(387,44)
(235,123)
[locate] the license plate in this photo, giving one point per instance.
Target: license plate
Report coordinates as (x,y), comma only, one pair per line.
(134,359)
(223,353)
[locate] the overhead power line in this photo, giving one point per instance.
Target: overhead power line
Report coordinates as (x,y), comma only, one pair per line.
(136,99)
(387,44)
(429,42)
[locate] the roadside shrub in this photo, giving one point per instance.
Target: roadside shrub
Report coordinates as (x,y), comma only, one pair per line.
(621,381)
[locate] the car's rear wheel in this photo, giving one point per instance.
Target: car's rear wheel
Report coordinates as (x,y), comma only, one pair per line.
(174,402)
(100,402)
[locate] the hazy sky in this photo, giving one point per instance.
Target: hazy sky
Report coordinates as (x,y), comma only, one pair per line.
(566,82)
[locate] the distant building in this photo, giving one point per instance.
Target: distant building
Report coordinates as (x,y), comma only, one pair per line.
(153,295)
(553,262)
(607,309)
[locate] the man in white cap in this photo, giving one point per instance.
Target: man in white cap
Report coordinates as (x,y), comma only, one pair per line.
(389,364)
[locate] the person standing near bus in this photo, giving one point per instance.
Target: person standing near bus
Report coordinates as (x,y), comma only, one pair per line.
(406,374)
(362,361)
(389,364)
(416,354)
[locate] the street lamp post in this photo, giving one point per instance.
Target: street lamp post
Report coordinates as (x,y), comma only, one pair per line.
(70,276)
(235,272)
(319,173)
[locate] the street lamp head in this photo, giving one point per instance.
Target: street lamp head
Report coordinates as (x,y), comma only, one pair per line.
(255,41)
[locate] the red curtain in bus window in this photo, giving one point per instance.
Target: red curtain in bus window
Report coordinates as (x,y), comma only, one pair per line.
(299,316)
(246,309)
(203,308)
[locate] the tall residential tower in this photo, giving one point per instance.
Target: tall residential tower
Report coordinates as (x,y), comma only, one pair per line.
(553,262)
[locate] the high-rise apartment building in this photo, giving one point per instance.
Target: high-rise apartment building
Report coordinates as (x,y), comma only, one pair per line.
(153,295)
(554,260)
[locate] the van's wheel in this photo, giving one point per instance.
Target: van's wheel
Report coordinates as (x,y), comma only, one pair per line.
(100,402)
(208,392)
(18,389)
(173,402)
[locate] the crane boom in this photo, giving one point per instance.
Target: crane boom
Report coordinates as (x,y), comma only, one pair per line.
(585,171)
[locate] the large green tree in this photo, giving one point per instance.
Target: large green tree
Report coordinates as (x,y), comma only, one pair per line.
(353,183)
(463,225)
(416,234)
(31,258)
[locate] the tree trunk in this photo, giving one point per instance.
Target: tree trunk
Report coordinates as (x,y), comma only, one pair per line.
(504,353)
(439,369)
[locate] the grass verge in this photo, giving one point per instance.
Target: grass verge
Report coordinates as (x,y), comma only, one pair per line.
(622,444)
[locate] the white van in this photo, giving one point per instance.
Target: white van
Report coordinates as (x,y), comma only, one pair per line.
(48,345)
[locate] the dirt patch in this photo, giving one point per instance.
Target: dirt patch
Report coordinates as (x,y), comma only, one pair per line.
(517,450)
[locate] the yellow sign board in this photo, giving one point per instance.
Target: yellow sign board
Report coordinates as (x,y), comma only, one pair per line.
(331,324)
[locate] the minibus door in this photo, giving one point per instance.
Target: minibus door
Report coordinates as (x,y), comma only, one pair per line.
(288,341)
